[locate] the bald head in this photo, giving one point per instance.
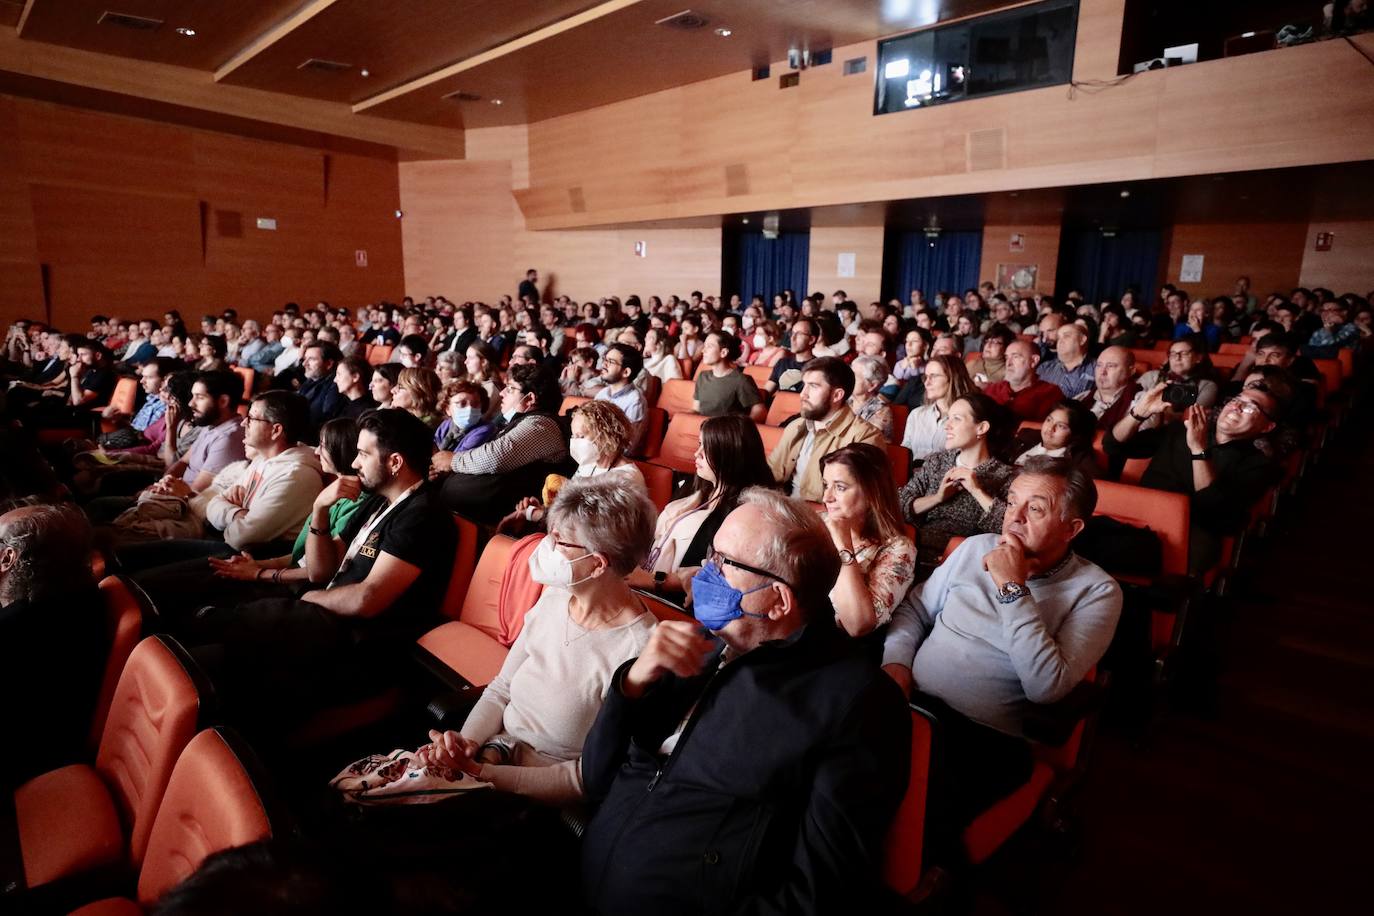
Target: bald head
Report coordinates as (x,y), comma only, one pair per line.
(1022,357)
(1115,368)
(44,551)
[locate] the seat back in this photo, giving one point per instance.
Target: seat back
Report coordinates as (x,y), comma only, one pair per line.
(785,404)
(125,395)
(680,443)
(899,457)
(1162,346)
(678,396)
(154,715)
(771,436)
(655,424)
(464,563)
(1133,470)
(663,610)
(904,850)
(570,403)
(760,374)
(900,413)
(378,354)
(519,591)
(1167,514)
(1331,374)
(1227,362)
(1145,360)
(123,626)
(249,376)
(659,480)
(1236,348)
(211,804)
(501,590)
(688,366)
(1345,357)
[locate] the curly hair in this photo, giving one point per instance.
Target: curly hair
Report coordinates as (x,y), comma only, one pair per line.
(606,426)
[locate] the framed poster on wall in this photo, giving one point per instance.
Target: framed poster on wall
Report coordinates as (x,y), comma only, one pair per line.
(1017,279)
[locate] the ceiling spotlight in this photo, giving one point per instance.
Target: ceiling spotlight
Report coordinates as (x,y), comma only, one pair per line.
(745,221)
(364,73)
(496,101)
(724,33)
(1125,193)
(186,33)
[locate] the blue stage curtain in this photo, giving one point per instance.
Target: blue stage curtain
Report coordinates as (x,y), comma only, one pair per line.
(1102,267)
(769,266)
(949,263)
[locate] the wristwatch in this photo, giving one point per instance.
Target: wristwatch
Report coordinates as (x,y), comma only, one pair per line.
(1011,591)
(1203,455)
(847,557)
(659,578)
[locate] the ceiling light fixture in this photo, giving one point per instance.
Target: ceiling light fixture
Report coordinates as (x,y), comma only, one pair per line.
(745,221)
(186,33)
(496,101)
(1125,193)
(725,33)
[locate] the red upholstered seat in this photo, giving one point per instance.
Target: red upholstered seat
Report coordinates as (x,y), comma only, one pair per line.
(904,851)
(472,654)
(677,396)
(113,906)
(680,444)
(785,404)
(995,826)
(123,625)
(52,845)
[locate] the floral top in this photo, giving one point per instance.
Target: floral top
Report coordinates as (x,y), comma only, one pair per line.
(960,516)
(888,568)
(874,412)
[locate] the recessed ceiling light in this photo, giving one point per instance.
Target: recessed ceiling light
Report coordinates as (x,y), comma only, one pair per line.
(496,101)
(1125,193)
(364,73)
(724,33)
(745,221)
(186,33)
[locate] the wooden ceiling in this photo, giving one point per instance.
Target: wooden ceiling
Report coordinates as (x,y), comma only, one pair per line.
(540,58)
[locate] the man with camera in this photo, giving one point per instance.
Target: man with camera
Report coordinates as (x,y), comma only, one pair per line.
(1185,381)
(1214,460)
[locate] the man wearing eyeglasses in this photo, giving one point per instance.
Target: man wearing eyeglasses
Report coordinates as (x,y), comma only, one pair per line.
(755,770)
(1216,462)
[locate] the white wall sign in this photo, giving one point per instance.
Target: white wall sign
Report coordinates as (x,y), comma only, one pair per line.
(360,258)
(642,249)
(845,265)
(265,222)
(1191,272)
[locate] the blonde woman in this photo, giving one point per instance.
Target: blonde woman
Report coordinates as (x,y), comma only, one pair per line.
(417,391)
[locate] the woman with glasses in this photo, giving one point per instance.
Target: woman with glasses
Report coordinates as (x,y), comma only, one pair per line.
(877,559)
(729,460)
(526,732)
(417,391)
(946,379)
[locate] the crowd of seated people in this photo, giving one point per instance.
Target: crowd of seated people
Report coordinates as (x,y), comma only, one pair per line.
(283,492)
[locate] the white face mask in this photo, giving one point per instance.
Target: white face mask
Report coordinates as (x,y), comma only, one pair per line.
(748,321)
(549,567)
(582,451)
(760,341)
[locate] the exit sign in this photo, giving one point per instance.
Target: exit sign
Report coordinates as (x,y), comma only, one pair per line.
(360,258)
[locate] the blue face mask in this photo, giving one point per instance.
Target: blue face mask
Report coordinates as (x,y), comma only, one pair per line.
(463,417)
(715,602)
(508,415)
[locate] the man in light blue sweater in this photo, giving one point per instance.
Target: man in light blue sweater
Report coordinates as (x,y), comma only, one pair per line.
(1005,622)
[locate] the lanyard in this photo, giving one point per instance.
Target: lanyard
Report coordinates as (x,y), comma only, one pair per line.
(361,537)
(652,559)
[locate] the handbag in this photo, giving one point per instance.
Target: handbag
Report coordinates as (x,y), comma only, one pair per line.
(399,778)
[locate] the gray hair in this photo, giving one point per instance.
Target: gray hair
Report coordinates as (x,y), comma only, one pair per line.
(871,368)
(448,356)
(796,546)
(609,516)
(1080,493)
(53,544)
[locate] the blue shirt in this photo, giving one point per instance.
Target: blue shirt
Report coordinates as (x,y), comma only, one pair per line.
(1325,343)
(147,415)
(1073,382)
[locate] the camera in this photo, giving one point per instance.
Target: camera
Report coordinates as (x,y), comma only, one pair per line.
(1179,395)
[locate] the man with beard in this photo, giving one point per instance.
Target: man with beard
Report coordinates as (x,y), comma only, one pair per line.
(319,390)
(826,424)
(377,587)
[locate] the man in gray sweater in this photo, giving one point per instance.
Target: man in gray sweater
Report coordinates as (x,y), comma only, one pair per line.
(1005,622)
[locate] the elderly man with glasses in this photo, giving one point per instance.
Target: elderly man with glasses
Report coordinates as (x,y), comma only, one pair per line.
(754,765)
(1216,461)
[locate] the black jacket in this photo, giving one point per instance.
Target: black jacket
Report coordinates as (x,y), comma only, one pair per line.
(776,799)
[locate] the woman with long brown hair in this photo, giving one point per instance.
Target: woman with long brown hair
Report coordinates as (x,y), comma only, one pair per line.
(877,558)
(946,381)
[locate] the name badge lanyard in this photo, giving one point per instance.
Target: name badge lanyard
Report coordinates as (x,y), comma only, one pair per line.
(361,537)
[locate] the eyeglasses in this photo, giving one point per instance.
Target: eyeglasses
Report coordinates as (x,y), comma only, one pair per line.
(721,561)
(252,419)
(1247,406)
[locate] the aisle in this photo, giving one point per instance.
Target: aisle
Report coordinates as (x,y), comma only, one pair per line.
(1260,804)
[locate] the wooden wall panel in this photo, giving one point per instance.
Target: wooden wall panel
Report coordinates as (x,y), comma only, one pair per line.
(589,264)
(1270,253)
(114,207)
(1041,242)
(857,230)
(1349,266)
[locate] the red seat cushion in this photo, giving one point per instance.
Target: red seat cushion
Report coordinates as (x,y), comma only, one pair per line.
(67,825)
(468,651)
(994,826)
(112,906)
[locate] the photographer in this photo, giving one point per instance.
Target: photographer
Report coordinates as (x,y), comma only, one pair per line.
(1186,378)
(1214,460)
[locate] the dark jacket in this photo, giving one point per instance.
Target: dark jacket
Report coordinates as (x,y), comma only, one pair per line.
(325,403)
(776,799)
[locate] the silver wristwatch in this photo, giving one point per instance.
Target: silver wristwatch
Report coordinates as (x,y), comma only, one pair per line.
(1011,591)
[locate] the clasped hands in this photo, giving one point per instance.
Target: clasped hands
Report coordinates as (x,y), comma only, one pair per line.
(452,750)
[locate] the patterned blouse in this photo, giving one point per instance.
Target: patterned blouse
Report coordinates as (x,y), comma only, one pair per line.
(874,412)
(960,516)
(888,568)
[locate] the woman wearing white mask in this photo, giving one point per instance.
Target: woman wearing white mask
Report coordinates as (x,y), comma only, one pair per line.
(659,360)
(525,734)
(766,350)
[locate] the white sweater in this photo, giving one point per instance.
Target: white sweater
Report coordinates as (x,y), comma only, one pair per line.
(279,500)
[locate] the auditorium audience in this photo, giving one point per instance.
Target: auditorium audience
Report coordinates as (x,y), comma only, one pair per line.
(865,523)
(1115,386)
(870,374)
(1335,334)
(946,380)
(1011,619)
(720,387)
(417,390)
(1072,369)
(1021,390)
(526,733)
(383,383)
(960,491)
(765,349)
(991,364)
(620,367)
(350,381)
(1066,433)
(826,423)
(699,762)
(1186,374)
(787,371)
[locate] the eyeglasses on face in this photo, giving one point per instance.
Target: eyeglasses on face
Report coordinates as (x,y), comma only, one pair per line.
(1248,407)
(721,561)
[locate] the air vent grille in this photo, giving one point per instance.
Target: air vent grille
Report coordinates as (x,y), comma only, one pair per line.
(855,65)
(462,95)
(685,21)
(324,66)
(129,21)
(788,80)
(987,149)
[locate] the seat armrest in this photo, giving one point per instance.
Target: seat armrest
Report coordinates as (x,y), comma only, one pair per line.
(1053,723)
(450,709)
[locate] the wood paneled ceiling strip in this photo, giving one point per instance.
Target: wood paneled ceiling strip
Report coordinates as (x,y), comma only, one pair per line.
(477,60)
(273,35)
(24,16)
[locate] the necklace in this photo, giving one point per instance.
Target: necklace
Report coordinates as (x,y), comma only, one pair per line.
(569,639)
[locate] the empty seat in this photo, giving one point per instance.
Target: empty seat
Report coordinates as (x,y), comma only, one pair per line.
(124,399)
(79,818)
(678,396)
(680,443)
(213,802)
(378,354)
(785,404)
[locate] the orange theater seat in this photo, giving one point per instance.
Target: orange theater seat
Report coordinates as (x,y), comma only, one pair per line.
(655,424)
(211,804)
(80,818)
(662,609)
(123,625)
(473,647)
(679,396)
(904,851)
(680,443)
(659,480)
(785,404)
(760,374)
(1133,470)
(571,402)
(378,354)
(1145,360)
(464,564)
(123,400)
(1237,349)
(249,377)
(771,436)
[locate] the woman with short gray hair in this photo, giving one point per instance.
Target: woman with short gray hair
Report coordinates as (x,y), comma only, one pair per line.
(526,732)
(870,373)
